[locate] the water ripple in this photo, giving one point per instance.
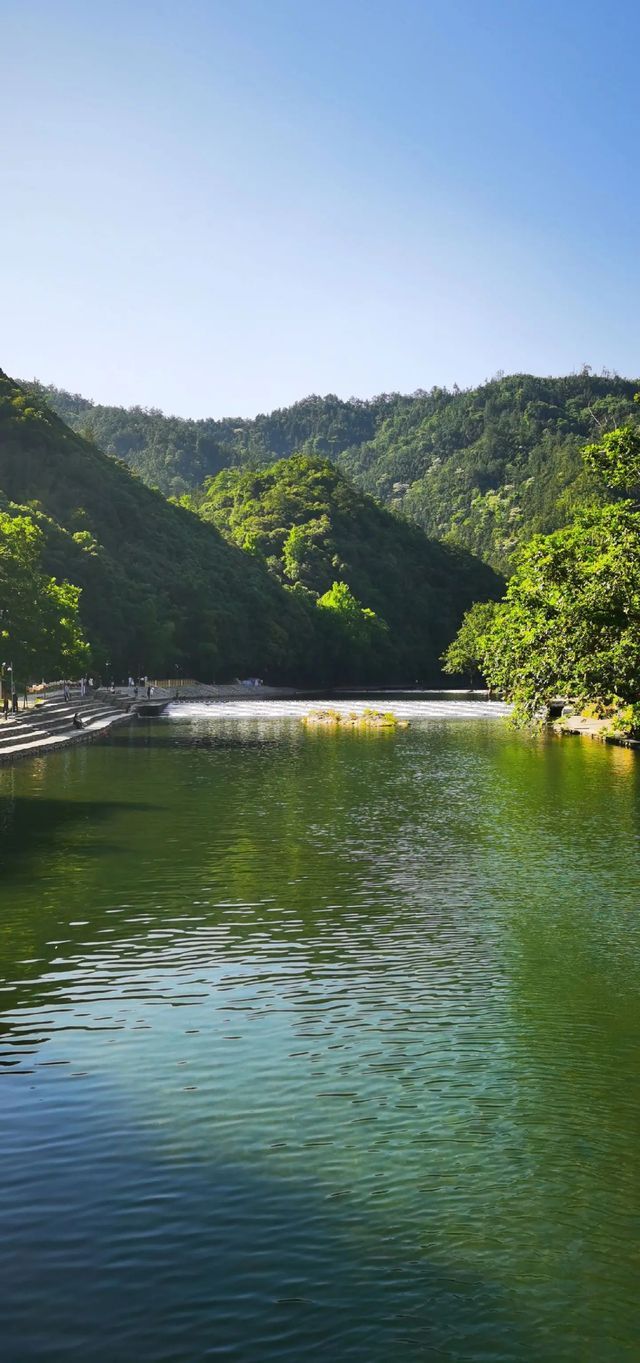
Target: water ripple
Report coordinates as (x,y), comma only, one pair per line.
(321,1049)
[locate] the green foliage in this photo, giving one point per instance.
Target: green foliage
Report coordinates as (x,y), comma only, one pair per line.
(40,630)
(486,468)
(615,459)
(570,622)
(625,722)
(307,551)
(356,637)
(466,653)
(160,589)
(233,589)
(360,622)
(176,455)
(391,598)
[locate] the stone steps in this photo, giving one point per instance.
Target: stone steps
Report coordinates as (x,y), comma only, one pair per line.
(50,725)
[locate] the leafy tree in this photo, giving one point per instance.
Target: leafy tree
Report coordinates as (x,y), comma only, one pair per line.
(40,630)
(361,625)
(465,655)
(355,636)
(569,624)
(313,529)
(308,552)
(615,459)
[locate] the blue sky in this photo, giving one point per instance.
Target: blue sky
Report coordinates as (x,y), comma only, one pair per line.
(221,206)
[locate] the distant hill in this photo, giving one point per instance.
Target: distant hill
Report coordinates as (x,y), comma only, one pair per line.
(488,466)
(160,589)
(211,594)
(312,528)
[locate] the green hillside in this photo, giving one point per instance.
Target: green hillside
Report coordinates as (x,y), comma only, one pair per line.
(232,590)
(489,466)
(312,528)
(159,588)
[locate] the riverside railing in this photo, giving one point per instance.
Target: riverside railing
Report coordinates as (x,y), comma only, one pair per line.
(175,682)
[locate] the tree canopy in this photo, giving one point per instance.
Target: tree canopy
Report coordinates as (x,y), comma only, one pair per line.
(487,467)
(40,629)
(569,624)
(465,655)
(386,584)
(227,582)
(160,591)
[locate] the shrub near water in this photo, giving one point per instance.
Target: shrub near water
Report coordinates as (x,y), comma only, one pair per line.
(354,719)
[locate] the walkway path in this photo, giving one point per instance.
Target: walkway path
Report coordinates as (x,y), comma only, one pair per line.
(46,727)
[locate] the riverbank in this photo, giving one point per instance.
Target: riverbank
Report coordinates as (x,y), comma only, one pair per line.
(46,727)
(587,726)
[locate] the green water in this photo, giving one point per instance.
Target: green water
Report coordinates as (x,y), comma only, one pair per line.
(320,1046)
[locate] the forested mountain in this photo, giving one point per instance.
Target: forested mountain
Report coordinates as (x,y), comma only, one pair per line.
(177,455)
(163,589)
(487,467)
(159,588)
(318,535)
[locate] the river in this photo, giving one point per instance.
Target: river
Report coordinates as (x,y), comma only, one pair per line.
(320,1045)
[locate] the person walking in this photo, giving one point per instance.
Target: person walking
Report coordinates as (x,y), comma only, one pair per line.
(14,701)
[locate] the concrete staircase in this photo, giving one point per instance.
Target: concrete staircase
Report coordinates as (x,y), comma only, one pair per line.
(48,726)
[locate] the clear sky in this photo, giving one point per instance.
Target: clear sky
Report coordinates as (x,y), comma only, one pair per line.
(219,206)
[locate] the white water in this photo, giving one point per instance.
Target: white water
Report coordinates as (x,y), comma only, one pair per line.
(297,709)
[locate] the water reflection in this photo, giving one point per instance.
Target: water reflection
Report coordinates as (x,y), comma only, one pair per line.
(324,1044)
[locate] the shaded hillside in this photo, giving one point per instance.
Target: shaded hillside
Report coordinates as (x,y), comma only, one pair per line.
(312,528)
(234,589)
(177,454)
(489,466)
(492,466)
(160,589)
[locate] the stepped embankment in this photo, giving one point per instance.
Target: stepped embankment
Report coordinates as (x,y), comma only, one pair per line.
(48,726)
